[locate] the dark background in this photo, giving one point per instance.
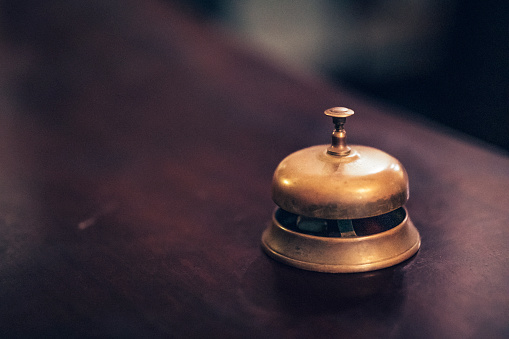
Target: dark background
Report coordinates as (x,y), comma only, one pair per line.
(445,60)
(452,66)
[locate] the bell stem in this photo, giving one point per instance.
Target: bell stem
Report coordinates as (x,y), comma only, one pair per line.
(338,145)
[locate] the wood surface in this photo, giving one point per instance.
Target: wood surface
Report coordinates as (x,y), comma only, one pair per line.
(137,147)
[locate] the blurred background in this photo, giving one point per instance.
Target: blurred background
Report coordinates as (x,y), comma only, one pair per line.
(446,60)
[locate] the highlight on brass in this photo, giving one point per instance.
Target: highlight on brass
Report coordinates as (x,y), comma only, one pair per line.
(340,207)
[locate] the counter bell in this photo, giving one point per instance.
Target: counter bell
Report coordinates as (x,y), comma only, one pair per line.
(341,208)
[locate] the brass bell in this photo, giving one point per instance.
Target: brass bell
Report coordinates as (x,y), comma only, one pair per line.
(341,208)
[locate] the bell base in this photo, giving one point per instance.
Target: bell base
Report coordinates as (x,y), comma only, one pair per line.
(341,255)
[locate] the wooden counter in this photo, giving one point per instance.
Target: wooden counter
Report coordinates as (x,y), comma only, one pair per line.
(137,148)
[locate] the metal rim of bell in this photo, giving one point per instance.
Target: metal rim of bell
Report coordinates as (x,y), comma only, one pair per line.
(341,255)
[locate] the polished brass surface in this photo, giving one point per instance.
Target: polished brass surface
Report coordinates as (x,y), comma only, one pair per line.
(325,191)
(341,255)
(365,183)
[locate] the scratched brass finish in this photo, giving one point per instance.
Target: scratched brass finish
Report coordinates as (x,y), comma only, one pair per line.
(365,183)
(341,255)
(328,192)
